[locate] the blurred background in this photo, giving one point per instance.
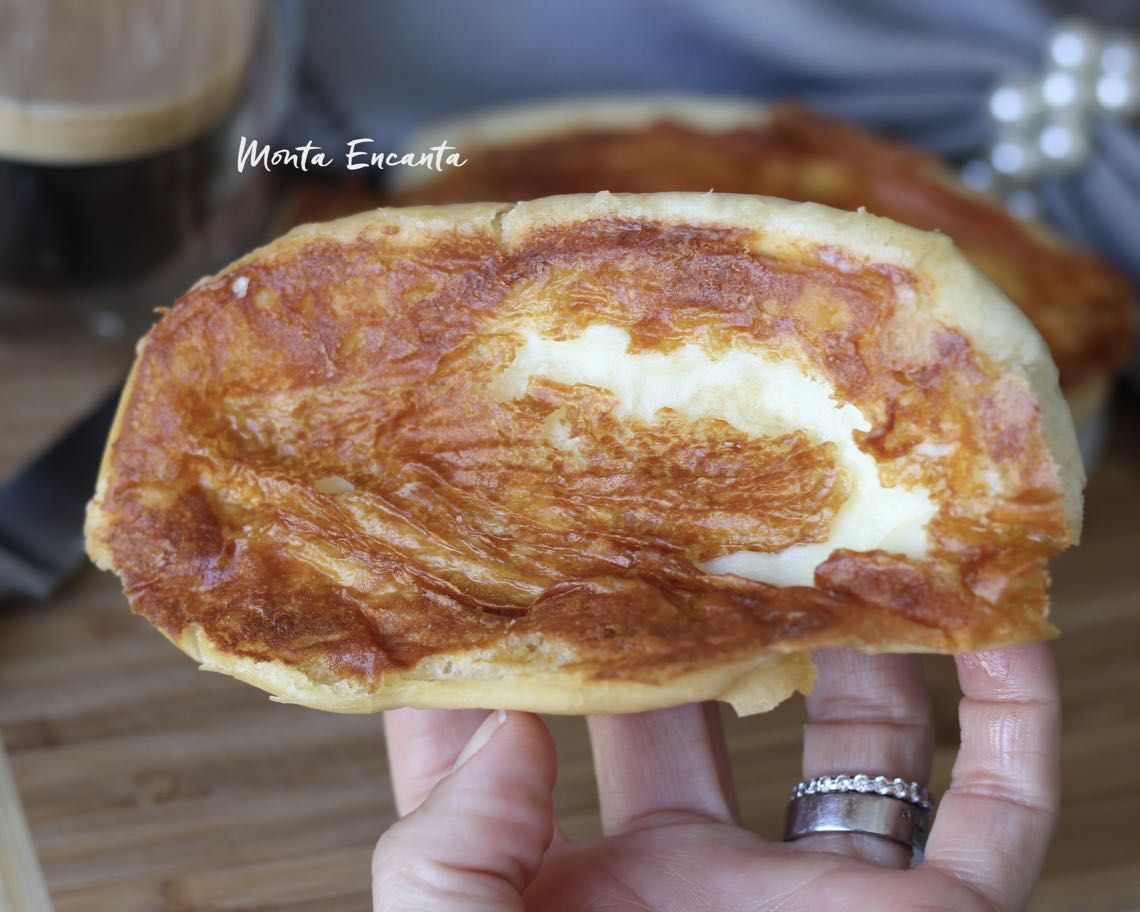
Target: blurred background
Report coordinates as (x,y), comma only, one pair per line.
(132,781)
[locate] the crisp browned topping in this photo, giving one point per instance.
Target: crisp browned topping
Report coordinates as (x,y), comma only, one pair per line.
(1081,305)
(314,464)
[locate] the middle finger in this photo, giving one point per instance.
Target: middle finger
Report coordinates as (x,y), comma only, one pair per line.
(661,766)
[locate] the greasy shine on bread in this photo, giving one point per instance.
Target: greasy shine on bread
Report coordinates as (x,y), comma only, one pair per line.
(1082,307)
(586,454)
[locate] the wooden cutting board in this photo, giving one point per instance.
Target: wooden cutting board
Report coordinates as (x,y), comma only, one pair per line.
(22,886)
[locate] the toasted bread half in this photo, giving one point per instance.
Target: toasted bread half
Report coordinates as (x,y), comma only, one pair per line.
(594,453)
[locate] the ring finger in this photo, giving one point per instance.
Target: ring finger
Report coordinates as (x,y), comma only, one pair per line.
(867,714)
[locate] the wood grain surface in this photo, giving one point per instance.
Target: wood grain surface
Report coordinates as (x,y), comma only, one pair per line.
(149,785)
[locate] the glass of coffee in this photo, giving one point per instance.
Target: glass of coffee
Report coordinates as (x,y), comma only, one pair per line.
(117,123)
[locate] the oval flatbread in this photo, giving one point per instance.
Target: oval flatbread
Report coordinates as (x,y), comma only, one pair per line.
(592,453)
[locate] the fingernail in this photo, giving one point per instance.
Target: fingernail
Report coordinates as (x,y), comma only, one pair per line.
(482,735)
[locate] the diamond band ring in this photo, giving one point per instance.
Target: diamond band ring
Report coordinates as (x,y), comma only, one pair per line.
(890,808)
(911,792)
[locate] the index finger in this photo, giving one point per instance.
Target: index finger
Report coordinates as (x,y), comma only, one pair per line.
(422,747)
(994,824)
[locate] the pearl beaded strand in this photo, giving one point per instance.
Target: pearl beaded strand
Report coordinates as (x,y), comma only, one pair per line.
(1041,123)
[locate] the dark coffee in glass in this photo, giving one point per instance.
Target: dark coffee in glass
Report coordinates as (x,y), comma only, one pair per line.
(87,225)
(117,126)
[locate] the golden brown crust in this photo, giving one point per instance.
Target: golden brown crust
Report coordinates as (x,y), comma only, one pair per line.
(1082,306)
(316,485)
(489,679)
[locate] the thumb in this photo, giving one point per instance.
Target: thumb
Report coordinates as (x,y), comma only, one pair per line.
(479,837)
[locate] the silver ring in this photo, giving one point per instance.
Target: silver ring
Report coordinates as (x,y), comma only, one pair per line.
(875,805)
